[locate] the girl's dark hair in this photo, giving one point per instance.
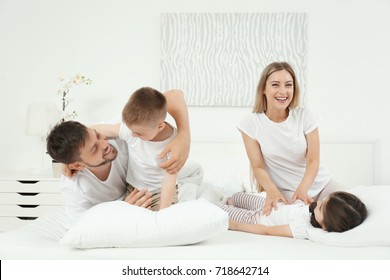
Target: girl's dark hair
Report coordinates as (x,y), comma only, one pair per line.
(343,211)
(65,141)
(313,220)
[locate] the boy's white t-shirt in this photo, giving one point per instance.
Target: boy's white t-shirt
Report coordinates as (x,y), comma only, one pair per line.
(283,146)
(85,190)
(144,165)
(296,215)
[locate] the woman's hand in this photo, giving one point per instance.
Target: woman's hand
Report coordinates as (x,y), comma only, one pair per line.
(271,201)
(301,194)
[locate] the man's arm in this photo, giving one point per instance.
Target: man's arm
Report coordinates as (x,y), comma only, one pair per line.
(180,146)
(74,203)
(108,130)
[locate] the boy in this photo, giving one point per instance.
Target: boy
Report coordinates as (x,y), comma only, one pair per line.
(95,168)
(146,133)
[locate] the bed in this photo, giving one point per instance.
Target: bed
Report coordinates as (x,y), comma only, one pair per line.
(226,170)
(40,240)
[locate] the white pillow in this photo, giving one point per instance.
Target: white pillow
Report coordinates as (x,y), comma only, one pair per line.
(119,224)
(374,231)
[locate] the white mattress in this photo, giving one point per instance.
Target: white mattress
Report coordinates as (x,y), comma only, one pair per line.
(39,240)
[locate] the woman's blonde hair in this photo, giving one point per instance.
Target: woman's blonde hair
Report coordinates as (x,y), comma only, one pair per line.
(261,100)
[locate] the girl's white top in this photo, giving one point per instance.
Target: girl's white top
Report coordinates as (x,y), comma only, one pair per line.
(296,215)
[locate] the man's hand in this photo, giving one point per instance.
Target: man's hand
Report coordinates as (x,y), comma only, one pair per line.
(179,150)
(141,198)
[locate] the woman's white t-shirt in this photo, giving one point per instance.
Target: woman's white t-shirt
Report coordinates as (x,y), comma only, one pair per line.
(283,146)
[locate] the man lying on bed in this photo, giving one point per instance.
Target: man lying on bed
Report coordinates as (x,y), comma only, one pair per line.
(101,164)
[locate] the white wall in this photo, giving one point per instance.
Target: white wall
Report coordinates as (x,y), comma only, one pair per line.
(117,44)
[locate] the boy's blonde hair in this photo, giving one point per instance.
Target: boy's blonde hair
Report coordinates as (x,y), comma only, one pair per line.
(261,101)
(146,105)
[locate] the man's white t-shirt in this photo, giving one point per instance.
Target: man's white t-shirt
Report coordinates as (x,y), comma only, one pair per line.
(144,166)
(283,146)
(85,190)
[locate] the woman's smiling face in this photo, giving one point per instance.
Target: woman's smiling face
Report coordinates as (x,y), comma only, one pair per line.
(279,90)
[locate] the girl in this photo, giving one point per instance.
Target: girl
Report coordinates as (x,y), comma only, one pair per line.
(339,212)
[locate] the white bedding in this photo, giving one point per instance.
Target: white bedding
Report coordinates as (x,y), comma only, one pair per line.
(40,240)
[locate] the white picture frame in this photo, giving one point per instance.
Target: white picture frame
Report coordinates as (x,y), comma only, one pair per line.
(217,58)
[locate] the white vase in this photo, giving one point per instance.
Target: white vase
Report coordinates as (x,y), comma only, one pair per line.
(57,169)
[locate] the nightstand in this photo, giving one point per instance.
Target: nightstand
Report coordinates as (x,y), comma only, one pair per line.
(24,197)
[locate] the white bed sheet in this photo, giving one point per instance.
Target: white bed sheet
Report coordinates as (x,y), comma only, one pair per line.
(39,240)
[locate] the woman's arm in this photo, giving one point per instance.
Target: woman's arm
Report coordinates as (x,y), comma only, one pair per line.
(312,166)
(180,146)
(256,160)
(283,230)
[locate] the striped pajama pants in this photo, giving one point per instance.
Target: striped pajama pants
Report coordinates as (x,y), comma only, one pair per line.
(245,208)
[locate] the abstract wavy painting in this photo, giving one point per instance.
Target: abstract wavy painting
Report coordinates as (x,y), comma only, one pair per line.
(217,58)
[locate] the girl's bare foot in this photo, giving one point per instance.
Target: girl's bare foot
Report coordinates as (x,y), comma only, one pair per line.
(229,201)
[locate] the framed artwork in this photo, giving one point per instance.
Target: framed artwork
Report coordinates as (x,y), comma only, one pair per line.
(217,58)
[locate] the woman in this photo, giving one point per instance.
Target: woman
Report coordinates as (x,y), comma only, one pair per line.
(282,142)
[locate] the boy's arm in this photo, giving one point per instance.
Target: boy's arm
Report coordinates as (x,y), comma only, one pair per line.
(108,130)
(180,146)
(168,190)
(283,230)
